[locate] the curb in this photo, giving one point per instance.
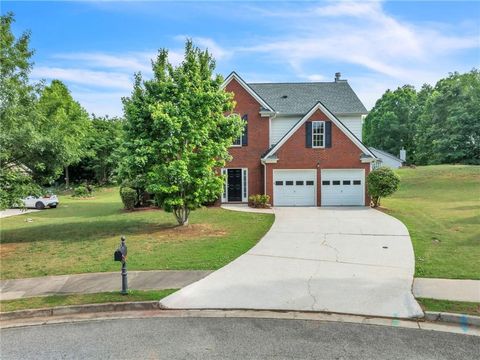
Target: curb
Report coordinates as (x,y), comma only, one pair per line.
(430,316)
(80,309)
(462,319)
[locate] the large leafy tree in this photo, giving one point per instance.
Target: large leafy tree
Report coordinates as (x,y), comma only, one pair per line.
(390,125)
(18,138)
(104,146)
(67,123)
(449,125)
(178,132)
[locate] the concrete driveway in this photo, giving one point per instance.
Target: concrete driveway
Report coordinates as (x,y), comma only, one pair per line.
(346,260)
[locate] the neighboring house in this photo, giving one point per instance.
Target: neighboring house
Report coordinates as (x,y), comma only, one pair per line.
(386,159)
(301,145)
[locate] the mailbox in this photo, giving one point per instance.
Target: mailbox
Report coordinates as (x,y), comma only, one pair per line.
(117,255)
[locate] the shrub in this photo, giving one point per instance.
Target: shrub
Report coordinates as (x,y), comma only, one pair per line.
(381,182)
(129,197)
(82,191)
(259,201)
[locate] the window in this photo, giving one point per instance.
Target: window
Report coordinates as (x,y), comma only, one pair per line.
(326,182)
(299,182)
(346,182)
(318,134)
(244,184)
(288,182)
(336,182)
(278,182)
(237,141)
(309,182)
(357,182)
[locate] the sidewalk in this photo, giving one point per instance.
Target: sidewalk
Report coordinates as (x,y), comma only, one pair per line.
(441,289)
(98,282)
(447,289)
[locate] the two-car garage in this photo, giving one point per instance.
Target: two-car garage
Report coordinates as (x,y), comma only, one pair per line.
(339,187)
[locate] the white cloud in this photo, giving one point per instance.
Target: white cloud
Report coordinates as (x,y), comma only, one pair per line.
(102,79)
(218,52)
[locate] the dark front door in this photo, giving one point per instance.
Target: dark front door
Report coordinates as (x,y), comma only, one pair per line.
(234,184)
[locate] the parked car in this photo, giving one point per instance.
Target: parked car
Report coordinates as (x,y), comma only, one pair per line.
(42,202)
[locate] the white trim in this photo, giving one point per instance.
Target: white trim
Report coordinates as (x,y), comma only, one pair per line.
(235,76)
(315,182)
(225,185)
(331,117)
(323,134)
(244,184)
(363,187)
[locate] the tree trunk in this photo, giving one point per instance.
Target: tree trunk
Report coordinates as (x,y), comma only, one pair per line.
(181,214)
(67,178)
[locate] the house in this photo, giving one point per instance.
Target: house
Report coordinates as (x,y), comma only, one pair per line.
(301,145)
(387,159)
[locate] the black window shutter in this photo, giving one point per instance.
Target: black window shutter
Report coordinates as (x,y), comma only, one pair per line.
(308,132)
(328,134)
(245,131)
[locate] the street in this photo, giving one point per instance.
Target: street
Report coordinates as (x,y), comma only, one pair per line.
(231,338)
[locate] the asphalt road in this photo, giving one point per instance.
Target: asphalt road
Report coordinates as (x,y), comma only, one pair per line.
(231,338)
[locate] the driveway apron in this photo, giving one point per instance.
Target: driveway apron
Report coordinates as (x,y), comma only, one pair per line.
(344,260)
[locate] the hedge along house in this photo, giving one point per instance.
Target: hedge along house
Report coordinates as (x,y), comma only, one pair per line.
(301,144)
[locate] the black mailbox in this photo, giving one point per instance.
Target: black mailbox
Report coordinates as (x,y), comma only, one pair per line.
(117,255)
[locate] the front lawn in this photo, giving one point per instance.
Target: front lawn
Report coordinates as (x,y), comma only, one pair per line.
(42,302)
(460,307)
(81,235)
(440,205)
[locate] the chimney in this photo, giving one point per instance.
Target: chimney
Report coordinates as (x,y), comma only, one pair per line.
(403,154)
(337,76)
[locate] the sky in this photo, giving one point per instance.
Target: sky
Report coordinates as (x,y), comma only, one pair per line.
(95,47)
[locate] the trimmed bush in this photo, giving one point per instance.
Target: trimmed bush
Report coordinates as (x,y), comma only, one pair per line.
(381,182)
(129,197)
(82,191)
(259,201)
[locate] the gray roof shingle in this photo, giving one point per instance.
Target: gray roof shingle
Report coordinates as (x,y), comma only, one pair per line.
(298,98)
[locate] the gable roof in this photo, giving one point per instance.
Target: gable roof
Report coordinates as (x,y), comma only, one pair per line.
(261,101)
(333,118)
(380,153)
(337,96)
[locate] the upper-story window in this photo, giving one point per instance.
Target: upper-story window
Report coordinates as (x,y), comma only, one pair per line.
(318,134)
(237,141)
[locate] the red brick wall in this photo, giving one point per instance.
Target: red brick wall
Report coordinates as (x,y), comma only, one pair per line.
(258,138)
(343,154)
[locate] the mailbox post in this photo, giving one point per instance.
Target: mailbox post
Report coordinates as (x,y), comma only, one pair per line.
(121,255)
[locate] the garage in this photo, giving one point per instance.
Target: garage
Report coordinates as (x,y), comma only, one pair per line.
(294,187)
(343,187)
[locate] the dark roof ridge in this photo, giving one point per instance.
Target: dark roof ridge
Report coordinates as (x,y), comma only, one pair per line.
(297,82)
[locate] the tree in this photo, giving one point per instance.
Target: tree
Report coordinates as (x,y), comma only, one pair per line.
(381,182)
(67,123)
(103,146)
(390,125)
(178,132)
(18,138)
(449,126)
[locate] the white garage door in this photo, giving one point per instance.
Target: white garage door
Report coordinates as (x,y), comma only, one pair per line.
(343,187)
(294,187)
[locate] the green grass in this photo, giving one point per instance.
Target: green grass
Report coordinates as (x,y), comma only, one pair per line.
(440,205)
(80,299)
(461,307)
(80,236)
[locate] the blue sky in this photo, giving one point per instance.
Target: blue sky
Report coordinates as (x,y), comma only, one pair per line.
(95,47)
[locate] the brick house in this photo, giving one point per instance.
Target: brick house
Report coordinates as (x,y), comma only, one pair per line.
(301,145)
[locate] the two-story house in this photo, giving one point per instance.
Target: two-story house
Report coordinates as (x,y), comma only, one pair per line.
(301,145)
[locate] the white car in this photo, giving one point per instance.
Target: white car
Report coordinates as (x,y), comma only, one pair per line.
(40,203)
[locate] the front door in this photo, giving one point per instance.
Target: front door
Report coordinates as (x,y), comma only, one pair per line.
(234,181)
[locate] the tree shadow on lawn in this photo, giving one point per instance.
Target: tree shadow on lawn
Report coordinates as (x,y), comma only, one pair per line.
(82,231)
